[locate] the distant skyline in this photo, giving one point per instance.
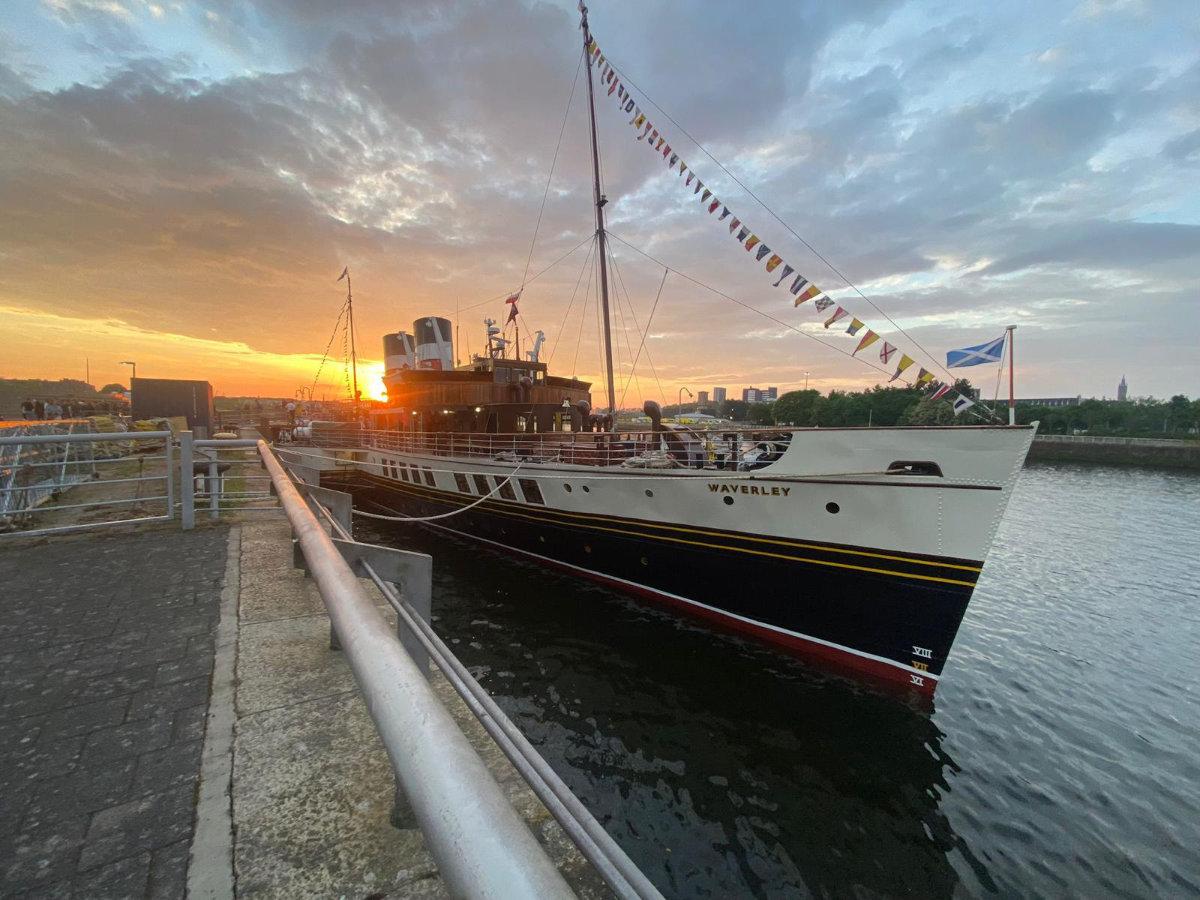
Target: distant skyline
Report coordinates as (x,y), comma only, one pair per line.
(183,181)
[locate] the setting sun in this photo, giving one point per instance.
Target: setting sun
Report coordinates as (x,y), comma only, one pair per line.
(373,387)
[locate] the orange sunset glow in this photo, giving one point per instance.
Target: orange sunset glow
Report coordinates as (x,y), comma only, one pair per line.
(189,204)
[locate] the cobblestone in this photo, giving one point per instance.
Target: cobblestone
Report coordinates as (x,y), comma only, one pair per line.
(106,648)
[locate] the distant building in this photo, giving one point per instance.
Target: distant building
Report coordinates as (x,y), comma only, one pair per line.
(771,393)
(702,398)
(1122,390)
(1049,401)
(155,398)
(718,395)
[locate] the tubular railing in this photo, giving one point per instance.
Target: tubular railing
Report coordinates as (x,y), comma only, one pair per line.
(719,449)
(37,468)
(218,469)
(481,846)
(619,872)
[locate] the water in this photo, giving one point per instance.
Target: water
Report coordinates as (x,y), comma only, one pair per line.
(1062,755)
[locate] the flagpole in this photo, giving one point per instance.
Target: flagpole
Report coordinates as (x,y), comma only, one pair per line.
(1012,402)
(601,238)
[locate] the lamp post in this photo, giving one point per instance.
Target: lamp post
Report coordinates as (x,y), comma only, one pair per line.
(127,362)
(806,374)
(680,404)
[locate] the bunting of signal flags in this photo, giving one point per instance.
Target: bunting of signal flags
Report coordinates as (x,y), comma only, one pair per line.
(801,289)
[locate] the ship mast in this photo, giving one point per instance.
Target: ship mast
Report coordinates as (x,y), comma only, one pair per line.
(601,237)
(353,352)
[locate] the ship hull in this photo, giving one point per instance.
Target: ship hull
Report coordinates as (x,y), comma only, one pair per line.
(865,572)
(891,622)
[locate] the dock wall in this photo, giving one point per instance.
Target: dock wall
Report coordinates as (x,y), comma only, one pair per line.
(1115,451)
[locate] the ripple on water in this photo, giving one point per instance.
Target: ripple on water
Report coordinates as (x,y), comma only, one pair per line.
(1061,755)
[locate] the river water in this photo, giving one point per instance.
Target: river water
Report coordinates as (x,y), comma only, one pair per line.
(1061,755)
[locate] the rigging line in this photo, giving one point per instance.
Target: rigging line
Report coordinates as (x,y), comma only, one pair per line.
(583,317)
(329,346)
(742,303)
(558,334)
(646,333)
(650,359)
(628,346)
(776,320)
(553,163)
(775,216)
(632,376)
(501,296)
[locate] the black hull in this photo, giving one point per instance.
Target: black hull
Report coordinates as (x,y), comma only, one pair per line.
(896,625)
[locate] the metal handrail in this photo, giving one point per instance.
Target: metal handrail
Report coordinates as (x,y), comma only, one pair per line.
(18,501)
(482,848)
(725,447)
(597,845)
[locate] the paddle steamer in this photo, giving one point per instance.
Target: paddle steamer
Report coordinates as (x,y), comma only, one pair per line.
(857,547)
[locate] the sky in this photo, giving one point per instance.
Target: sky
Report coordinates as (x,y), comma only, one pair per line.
(182,181)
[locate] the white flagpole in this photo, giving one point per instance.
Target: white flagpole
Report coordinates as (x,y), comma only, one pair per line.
(1012,402)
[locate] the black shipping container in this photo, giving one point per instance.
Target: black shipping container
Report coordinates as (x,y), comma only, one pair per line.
(164,397)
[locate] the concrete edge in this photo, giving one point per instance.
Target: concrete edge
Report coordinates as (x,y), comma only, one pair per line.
(210,864)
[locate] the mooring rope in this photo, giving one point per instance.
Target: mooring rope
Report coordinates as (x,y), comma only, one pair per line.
(489,494)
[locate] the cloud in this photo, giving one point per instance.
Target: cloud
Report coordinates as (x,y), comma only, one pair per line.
(215,193)
(1106,245)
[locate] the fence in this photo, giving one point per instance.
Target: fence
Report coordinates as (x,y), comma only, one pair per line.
(37,468)
(683,448)
(481,846)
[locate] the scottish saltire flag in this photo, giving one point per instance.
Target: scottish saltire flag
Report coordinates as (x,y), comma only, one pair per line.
(990,352)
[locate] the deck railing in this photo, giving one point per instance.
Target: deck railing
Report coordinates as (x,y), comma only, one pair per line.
(679,448)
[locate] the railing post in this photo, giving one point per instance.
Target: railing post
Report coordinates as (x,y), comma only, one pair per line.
(214,487)
(169,462)
(187,482)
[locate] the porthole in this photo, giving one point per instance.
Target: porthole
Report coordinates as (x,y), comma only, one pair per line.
(649,493)
(587,548)
(728,501)
(586,489)
(645,562)
(541,538)
(832,507)
(566,487)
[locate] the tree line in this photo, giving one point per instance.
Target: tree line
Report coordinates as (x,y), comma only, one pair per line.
(884,406)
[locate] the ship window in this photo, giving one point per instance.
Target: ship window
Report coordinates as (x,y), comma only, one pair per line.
(429,479)
(832,507)
(506,488)
(481,484)
(914,467)
(404,472)
(461,480)
(530,489)
(522,423)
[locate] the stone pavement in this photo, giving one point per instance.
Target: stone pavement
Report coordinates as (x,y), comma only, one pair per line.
(312,785)
(106,650)
(129,769)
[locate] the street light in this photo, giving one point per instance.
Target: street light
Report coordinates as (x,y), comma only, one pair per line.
(126,362)
(806,374)
(680,404)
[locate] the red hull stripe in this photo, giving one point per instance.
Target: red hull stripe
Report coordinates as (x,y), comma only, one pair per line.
(862,664)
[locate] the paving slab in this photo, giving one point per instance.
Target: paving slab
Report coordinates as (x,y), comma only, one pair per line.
(312,786)
(105,652)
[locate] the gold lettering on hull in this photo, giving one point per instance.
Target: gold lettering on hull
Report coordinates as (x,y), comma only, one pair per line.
(751,489)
